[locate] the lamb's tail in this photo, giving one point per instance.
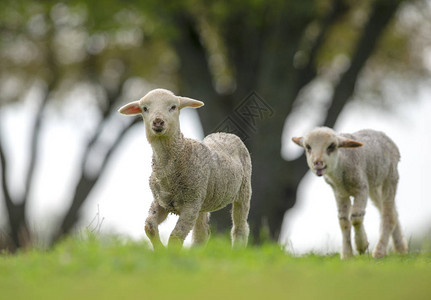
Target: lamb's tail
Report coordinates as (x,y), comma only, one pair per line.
(245,159)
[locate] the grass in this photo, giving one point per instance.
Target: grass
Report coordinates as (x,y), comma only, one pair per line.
(110,268)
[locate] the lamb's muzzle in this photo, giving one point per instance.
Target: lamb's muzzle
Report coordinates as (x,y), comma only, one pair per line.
(158,125)
(319,168)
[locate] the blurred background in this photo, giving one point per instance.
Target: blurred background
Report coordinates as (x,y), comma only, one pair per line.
(70,162)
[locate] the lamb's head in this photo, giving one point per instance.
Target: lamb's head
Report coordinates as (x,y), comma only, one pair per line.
(160,110)
(321,148)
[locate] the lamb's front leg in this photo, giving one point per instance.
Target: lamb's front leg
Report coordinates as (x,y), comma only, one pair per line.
(156,215)
(357,219)
(344,205)
(185,223)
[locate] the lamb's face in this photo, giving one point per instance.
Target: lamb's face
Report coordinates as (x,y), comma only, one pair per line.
(321,148)
(160,109)
(160,112)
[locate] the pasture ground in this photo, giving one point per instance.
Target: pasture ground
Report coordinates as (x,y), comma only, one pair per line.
(114,268)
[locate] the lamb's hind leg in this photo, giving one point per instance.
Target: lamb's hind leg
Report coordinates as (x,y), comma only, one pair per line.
(388,216)
(400,244)
(156,215)
(201,231)
(240,209)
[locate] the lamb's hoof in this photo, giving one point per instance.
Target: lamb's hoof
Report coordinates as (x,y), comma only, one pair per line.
(402,251)
(401,248)
(347,255)
(150,230)
(239,243)
(362,249)
(175,242)
(379,253)
(157,245)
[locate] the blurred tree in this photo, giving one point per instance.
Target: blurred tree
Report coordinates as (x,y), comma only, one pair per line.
(58,49)
(216,51)
(230,48)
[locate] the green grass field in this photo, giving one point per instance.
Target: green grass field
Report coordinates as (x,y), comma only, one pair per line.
(108,268)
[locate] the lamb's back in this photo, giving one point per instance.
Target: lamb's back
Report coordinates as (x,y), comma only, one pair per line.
(378,157)
(227,144)
(230,164)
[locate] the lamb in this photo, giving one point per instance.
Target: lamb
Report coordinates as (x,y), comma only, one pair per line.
(369,170)
(192,178)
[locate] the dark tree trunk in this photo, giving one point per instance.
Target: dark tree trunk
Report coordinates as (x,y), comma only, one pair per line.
(19,231)
(19,234)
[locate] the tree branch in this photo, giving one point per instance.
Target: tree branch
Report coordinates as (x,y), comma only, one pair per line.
(96,136)
(86,181)
(309,71)
(195,75)
(36,129)
(36,126)
(116,143)
(86,184)
(19,235)
(5,186)
(111,99)
(381,15)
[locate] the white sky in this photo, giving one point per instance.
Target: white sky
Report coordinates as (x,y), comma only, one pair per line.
(122,197)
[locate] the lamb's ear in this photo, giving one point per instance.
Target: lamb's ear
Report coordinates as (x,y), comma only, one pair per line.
(189,102)
(348,143)
(298,140)
(131,109)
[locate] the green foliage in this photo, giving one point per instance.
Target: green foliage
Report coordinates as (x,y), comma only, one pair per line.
(110,268)
(65,44)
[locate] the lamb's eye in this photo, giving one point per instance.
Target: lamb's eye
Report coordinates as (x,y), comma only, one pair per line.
(331,147)
(308,147)
(173,107)
(145,109)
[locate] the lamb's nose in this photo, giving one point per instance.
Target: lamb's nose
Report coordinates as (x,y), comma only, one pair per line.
(158,123)
(318,164)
